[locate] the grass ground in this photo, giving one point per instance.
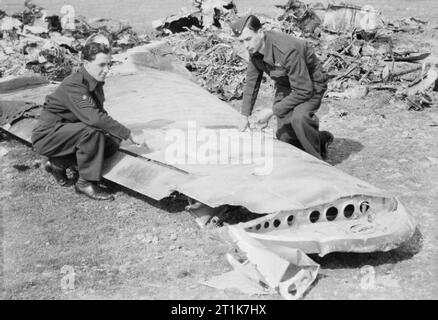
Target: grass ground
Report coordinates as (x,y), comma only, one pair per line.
(138,248)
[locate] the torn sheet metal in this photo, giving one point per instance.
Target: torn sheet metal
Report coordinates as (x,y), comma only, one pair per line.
(179,23)
(34,94)
(167,112)
(289,273)
(13,111)
(204,14)
(164,119)
(344,17)
(12,83)
(157,55)
(352,224)
(243,277)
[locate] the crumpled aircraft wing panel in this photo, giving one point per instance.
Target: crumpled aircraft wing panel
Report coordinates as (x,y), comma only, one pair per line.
(305,196)
(35,95)
(155,102)
(155,95)
(143,176)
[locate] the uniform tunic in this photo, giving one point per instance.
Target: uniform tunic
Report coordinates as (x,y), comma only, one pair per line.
(74,123)
(300,85)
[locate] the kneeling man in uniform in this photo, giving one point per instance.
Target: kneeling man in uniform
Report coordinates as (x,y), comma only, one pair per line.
(300,84)
(74,128)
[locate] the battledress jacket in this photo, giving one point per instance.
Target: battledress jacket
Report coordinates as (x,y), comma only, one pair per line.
(292,64)
(80,98)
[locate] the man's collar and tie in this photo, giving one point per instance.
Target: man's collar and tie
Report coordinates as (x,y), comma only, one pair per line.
(91,82)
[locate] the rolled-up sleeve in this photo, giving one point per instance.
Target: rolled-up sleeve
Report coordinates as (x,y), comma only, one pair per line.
(85,109)
(300,82)
(251,89)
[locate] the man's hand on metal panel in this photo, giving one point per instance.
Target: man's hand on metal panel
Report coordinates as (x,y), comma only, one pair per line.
(131,140)
(244,123)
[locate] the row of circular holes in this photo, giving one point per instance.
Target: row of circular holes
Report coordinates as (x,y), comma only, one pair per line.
(331,215)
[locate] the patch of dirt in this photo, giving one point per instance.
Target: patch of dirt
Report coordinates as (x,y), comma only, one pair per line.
(138,248)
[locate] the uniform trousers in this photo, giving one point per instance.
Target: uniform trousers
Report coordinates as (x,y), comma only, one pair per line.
(300,126)
(77,142)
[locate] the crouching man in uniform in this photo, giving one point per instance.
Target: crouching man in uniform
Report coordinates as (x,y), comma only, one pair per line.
(299,80)
(75,128)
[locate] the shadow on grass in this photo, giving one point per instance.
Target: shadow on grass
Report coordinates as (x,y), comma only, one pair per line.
(173,204)
(3,136)
(357,260)
(177,202)
(341,149)
(7,136)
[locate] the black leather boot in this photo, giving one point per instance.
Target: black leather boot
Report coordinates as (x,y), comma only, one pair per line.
(92,190)
(58,173)
(326,139)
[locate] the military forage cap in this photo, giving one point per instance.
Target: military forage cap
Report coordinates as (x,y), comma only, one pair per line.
(239,24)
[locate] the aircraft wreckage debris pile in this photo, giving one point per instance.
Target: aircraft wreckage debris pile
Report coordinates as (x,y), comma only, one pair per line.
(359,54)
(33,42)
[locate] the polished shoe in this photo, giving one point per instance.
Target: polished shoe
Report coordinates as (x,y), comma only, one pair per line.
(326,139)
(58,173)
(92,191)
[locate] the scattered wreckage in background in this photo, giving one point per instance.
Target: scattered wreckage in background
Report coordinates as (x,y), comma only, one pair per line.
(357,45)
(31,41)
(329,211)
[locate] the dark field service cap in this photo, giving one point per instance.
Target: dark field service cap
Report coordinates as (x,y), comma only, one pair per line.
(239,24)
